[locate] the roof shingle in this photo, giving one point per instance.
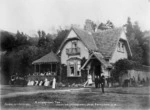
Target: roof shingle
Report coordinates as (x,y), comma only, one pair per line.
(107,40)
(86,38)
(48,58)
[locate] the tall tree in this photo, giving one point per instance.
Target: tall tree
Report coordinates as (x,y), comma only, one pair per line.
(61,35)
(146,48)
(7,41)
(133,37)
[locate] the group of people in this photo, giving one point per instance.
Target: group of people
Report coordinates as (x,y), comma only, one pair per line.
(100,81)
(44,73)
(46,82)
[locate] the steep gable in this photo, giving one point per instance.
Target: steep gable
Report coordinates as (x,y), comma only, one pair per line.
(106,41)
(86,38)
(72,34)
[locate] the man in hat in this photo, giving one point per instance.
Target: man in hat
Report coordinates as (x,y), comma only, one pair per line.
(102,83)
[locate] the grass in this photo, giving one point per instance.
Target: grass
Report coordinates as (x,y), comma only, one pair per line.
(77,100)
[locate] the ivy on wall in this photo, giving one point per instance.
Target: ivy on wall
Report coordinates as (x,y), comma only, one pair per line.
(121,67)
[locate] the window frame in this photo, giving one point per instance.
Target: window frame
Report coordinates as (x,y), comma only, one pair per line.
(75,66)
(120,47)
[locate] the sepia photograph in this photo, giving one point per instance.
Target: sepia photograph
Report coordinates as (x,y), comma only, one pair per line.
(75,54)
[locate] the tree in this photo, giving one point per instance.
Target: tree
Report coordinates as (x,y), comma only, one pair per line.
(129,27)
(121,67)
(59,39)
(7,41)
(21,39)
(146,48)
(134,35)
(45,41)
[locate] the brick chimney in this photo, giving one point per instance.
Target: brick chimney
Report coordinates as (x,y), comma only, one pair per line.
(89,26)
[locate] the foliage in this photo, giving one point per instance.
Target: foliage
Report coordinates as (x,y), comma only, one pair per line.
(135,35)
(7,41)
(59,39)
(121,67)
(83,60)
(21,50)
(107,25)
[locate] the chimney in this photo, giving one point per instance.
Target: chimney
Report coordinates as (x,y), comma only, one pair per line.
(89,26)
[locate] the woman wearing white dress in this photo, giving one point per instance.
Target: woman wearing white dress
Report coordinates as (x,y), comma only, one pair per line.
(46,82)
(54,83)
(89,79)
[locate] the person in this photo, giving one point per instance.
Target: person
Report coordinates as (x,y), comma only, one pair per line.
(46,83)
(89,79)
(102,83)
(96,81)
(54,83)
(99,82)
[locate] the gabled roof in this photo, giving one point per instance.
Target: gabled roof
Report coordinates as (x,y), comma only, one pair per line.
(104,41)
(107,40)
(86,38)
(48,58)
(100,58)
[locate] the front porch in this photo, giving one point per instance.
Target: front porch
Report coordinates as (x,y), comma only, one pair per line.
(96,66)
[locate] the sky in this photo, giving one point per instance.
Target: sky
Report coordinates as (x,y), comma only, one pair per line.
(29,16)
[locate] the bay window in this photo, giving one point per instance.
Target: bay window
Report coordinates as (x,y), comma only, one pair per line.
(73,68)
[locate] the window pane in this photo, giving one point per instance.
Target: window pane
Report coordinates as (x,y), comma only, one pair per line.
(72,70)
(53,67)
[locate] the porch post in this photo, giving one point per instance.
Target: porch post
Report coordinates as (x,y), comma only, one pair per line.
(100,71)
(34,67)
(39,68)
(56,69)
(51,67)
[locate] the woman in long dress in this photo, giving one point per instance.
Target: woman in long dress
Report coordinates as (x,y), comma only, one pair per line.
(89,79)
(46,82)
(54,83)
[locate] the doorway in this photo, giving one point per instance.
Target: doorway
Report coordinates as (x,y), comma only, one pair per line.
(95,68)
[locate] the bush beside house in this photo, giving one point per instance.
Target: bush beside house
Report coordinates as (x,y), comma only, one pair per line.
(130,73)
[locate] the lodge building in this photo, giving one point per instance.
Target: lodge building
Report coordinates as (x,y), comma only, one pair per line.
(101,49)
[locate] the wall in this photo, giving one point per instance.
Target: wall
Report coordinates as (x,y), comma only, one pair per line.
(138,73)
(135,74)
(72,34)
(84,51)
(118,55)
(70,80)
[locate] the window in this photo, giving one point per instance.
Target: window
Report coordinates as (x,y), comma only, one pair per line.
(73,68)
(74,44)
(123,47)
(120,47)
(53,67)
(78,68)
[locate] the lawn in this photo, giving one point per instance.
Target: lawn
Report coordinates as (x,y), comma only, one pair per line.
(114,98)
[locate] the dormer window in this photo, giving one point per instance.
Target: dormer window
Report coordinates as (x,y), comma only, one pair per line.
(120,47)
(74,44)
